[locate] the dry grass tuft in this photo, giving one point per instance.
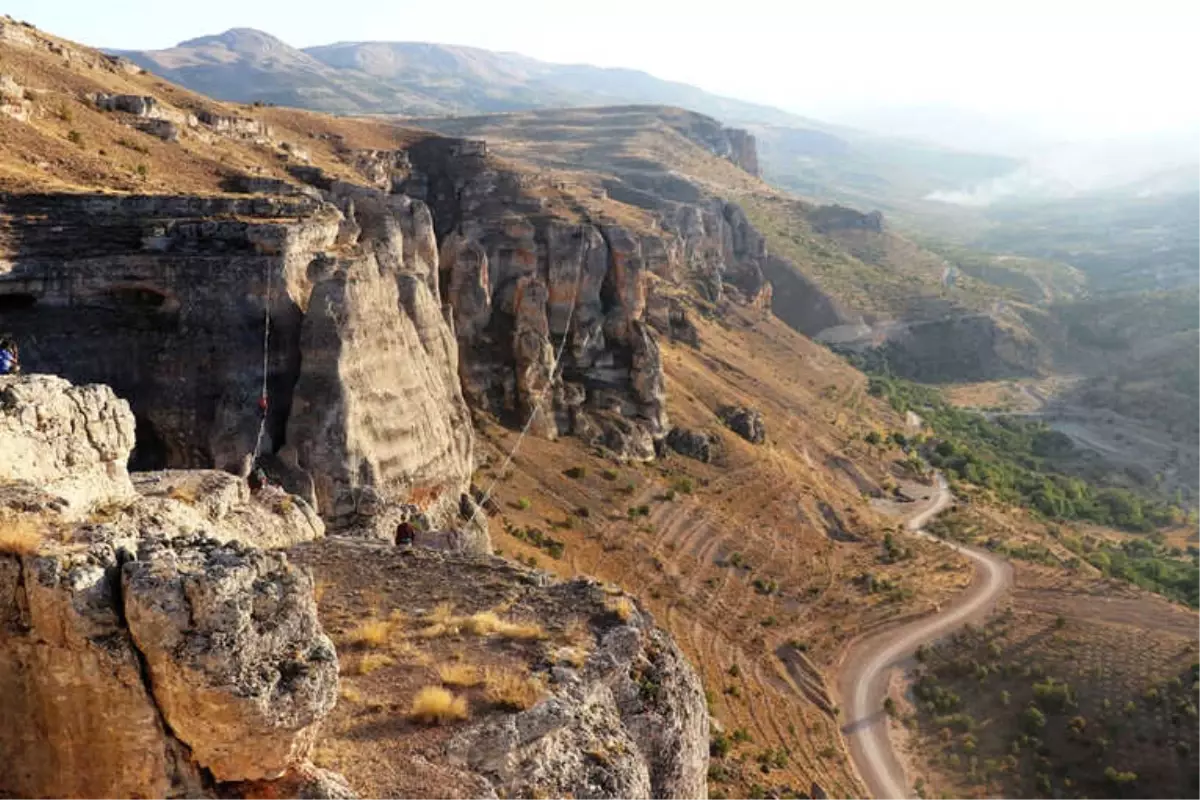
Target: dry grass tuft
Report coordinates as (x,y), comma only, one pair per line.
(463,675)
(486,622)
(434,705)
(575,656)
(19,536)
(510,690)
(371,662)
(183,493)
(350,694)
(442,612)
(482,623)
(372,633)
(622,606)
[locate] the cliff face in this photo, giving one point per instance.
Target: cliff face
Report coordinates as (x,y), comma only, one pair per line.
(166,299)
(524,285)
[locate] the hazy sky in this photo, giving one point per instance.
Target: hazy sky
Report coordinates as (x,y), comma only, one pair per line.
(1065,66)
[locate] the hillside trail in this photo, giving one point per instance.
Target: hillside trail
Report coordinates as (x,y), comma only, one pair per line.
(868,666)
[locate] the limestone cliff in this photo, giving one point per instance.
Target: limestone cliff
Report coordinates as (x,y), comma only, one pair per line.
(167,299)
(524,285)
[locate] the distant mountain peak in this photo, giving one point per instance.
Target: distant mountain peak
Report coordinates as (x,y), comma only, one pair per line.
(248,41)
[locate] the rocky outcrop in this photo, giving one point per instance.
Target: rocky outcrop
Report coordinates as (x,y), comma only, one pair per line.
(71,442)
(693,444)
(622,713)
(549,315)
(306,782)
(377,411)
(969,347)
(167,300)
(239,667)
(631,723)
(745,422)
(736,145)
(141,654)
(828,219)
(13,102)
(671,317)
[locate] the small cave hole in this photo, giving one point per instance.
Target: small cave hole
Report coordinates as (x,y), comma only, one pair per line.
(16,302)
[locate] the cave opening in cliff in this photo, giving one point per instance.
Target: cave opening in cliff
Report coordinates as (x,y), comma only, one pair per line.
(149,449)
(16,301)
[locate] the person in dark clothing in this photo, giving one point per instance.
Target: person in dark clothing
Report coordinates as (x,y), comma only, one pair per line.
(406,534)
(258,480)
(10,362)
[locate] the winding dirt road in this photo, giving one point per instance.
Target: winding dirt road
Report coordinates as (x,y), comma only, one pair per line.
(867,669)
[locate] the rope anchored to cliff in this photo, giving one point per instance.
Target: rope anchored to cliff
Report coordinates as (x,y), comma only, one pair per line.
(263,398)
(538,408)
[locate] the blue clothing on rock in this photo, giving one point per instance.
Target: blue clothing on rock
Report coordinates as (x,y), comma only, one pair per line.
(8,363)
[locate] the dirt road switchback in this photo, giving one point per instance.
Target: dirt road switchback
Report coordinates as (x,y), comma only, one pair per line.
(867,669)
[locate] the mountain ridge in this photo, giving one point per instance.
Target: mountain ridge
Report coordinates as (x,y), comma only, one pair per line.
(826,161)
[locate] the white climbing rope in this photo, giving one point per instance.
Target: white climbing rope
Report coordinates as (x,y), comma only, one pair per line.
(538,409)
(263,402)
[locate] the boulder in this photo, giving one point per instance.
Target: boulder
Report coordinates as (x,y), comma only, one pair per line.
(239,666)
(693,444)
(163,129)
(745,422)
(70,441)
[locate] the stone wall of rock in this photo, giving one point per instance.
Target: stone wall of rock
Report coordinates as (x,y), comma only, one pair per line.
(166,299)
(146,649)
(523,286)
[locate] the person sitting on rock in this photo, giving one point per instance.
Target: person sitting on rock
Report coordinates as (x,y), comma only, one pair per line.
(406,534)
(10,363)
(258,480)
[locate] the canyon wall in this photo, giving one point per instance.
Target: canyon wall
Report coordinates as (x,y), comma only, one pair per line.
(167,300)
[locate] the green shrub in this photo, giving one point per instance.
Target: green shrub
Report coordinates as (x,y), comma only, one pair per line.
(1033,720)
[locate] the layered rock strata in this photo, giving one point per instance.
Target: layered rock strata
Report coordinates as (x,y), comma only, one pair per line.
(181,303)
